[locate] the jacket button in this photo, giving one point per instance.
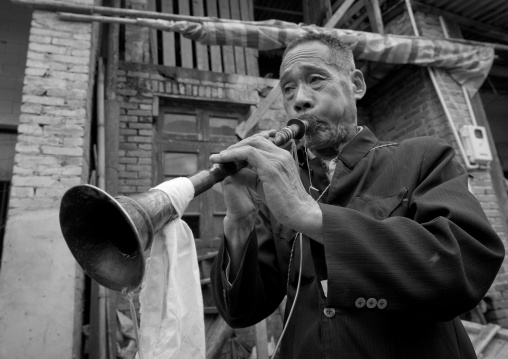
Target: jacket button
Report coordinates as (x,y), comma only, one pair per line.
(371,303)
(360,302)
(382,303)
(329,312)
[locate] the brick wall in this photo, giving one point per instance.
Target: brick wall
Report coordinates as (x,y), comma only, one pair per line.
(140,86)
(41,286)
(406,105)
(51,153)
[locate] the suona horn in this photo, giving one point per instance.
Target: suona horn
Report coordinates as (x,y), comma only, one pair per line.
(108,235)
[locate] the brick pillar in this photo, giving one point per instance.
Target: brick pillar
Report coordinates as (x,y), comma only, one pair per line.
(41,285)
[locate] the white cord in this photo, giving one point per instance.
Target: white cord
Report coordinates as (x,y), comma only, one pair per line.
(301,259)
(294,300)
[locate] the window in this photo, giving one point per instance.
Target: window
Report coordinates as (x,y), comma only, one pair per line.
(188,133)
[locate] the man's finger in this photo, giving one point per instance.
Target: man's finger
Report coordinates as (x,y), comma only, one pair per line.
(257,158)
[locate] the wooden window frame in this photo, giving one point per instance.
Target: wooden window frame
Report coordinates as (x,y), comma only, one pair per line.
(203,144)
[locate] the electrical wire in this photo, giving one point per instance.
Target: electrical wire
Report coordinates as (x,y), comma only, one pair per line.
(294,300)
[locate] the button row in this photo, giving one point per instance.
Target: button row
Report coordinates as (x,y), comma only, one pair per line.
(371,303)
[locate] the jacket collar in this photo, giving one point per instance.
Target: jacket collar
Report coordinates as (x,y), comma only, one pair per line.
(358,148)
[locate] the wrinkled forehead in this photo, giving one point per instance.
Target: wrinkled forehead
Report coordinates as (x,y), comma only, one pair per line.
(306,52)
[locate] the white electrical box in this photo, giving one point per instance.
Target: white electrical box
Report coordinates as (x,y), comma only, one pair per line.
(476,144)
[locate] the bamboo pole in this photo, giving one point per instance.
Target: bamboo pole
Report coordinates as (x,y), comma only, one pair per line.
(133,13)
(112,127)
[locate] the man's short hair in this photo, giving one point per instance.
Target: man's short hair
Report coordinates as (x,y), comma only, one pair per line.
(341,54)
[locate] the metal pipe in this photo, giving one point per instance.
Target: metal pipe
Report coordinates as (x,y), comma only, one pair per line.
(462,151)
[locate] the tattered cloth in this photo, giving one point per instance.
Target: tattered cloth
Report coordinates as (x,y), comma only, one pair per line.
(467,64)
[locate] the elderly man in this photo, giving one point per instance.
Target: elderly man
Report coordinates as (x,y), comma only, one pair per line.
(394,245)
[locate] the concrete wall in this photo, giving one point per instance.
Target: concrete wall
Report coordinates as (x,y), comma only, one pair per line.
(40,283)
(406,105)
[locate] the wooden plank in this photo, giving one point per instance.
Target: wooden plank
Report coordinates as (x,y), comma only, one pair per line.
(483,338)
(239,51)
(374,13)
(205,281)
(154,48)
(228,55)
(261,340)
(186,48)
(316,11)
(251,55)
(210,255)
(216,335)
(201,50)
(483,27)
(354,25)
(243,128)
(352,10)
(334,20)
(215,51)
(168,38)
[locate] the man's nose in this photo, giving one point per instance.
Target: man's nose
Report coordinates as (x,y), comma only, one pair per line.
(303,100)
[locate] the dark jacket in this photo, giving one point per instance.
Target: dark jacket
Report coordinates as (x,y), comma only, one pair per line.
(407,249)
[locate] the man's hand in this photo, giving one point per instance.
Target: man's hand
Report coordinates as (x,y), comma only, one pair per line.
(278,176)
(242,194)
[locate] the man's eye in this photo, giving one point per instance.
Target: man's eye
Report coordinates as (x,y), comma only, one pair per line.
(288,89)
(313,79)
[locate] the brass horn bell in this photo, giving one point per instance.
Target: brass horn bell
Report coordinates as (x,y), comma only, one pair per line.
(108,235)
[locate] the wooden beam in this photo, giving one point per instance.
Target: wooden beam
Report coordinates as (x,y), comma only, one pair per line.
(281,11)
(484,337)
(216,335)
(201,50)
(251,55)
(240,67)
(353,10)
(316,11)
(186,48)
(168,38)
(244,128)
(261,340)
(154,48)
(334,20)
(374,13)
(228,54)
(215,50)
(500,33)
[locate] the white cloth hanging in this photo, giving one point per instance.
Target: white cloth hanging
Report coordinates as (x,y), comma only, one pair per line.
(171,302)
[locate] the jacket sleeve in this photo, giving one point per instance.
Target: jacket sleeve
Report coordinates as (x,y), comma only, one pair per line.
(439,260)
(258,287)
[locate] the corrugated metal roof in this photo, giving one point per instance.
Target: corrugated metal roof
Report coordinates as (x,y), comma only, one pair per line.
(479,20)
(492,13)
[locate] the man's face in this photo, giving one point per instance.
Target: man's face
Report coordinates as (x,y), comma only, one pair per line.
(311,84)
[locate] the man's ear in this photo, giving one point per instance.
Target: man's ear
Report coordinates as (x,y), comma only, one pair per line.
(359,86)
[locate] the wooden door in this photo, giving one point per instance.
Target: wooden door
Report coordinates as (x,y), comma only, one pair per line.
(187,134)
